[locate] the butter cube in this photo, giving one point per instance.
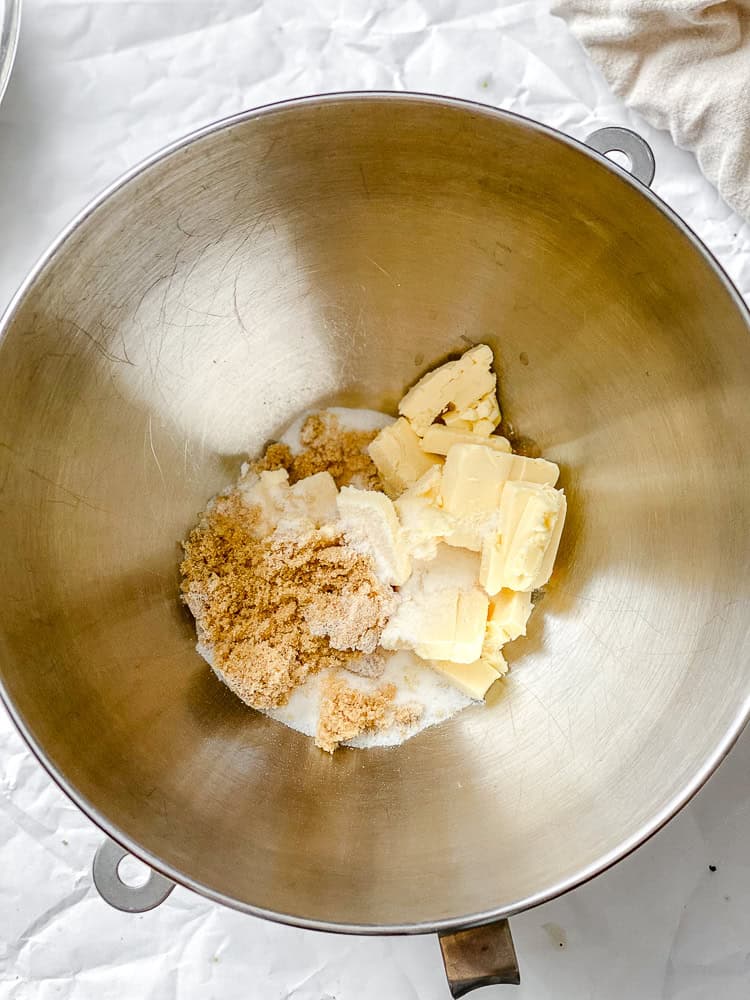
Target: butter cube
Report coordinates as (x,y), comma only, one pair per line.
(369,520)
(442,612)
(471,487)
(435,634)
(424,523)
(515,555)
(474,679)
(272,487)
(482,417)
(451,567)
(314,498)
(478,428)
(458,384)
(497,662)
(473,482)
(548,563)
(508,614)
(444,624)
(423,620)
(398,457)
(439,440)
(471,621)
(269,491)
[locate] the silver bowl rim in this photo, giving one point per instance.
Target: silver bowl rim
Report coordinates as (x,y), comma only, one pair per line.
(544,895)
(10,28)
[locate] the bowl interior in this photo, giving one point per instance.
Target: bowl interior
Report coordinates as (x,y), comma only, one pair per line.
(331,251)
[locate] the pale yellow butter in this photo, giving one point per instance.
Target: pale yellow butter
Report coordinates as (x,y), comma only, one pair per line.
(369,519)
(442,611)
(423,620)
(471,487)
(508,614)
(424,523)
(398,457)
(474,679)
(473,481)
(445,624)
(471,621)
(478,428)
(436,630)
(482,417)
(313,497)
(439,439)
(269,491)
(548,563)
(458,384)
(514,556)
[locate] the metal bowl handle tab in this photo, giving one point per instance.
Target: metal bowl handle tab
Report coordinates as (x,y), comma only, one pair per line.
(479,956)
(112,889)
(622,140)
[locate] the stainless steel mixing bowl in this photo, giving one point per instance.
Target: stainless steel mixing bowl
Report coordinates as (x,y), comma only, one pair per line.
(10,26)
(330,250)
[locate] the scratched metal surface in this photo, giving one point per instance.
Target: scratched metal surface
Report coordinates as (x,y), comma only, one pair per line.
(33,958)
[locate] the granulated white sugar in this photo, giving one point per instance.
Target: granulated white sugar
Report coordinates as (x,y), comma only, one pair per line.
(415,683)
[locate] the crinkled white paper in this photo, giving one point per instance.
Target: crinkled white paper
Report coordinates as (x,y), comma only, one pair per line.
(98,85)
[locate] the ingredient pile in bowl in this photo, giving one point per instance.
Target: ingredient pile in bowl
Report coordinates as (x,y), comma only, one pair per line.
(360,580)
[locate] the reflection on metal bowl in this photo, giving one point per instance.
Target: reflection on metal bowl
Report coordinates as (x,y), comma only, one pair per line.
(10,25)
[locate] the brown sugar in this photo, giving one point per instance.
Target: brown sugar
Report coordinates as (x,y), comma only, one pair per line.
(409,714)
(345,712)
(327,447)
(276,456)
(271,607)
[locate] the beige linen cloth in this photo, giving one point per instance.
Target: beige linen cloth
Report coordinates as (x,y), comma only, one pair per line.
(685,66)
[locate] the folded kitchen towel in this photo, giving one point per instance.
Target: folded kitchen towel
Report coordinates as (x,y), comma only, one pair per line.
(685,66)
